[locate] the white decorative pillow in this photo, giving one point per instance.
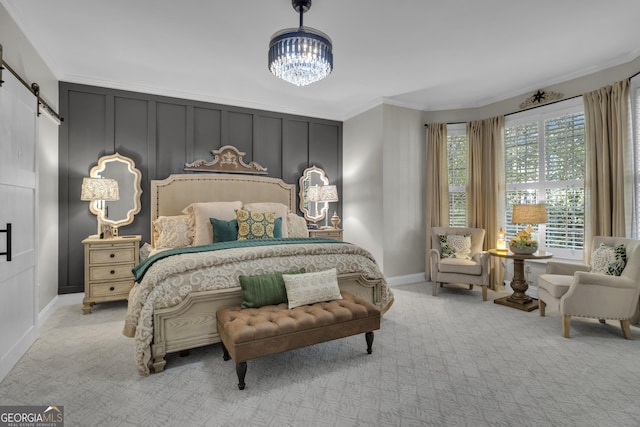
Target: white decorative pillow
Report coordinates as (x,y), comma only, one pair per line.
(309,288)
(280,210)
(172,231)
(297,225)
(608,260)
(455,246)
(200,213)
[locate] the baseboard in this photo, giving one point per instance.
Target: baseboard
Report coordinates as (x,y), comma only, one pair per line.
(58,301)
(406,280)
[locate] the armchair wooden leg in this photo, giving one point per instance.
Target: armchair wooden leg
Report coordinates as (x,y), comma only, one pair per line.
(470,287)
(434,288)
(542,306)
(626,330)
(566,324)
(484,292)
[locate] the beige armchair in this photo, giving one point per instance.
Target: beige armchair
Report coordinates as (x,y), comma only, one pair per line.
(457,269)
(572,290)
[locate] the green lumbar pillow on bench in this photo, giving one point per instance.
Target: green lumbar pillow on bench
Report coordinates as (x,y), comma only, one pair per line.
(264,289)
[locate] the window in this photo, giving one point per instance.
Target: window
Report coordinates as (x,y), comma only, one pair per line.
(545,163)
(457,148)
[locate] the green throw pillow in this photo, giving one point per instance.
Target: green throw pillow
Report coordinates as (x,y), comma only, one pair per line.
(277,228)
(224,231)
(264,289)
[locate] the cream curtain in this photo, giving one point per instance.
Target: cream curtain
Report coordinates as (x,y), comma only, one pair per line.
(436,185)
(608,159)
(486,185)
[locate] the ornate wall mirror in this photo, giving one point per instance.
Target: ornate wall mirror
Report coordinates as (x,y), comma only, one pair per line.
(312,177)
(123,170)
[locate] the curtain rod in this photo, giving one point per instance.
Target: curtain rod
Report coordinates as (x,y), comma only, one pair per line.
(34,88)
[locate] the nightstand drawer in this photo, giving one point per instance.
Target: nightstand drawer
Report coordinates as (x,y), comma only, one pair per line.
(116,289)
(327,233)
(330,234)
(111,272)
(113,255)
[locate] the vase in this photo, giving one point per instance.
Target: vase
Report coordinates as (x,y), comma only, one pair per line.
(525,250)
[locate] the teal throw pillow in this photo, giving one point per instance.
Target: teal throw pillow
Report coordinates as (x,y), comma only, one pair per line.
(264,289)
(224,231)
(277,228)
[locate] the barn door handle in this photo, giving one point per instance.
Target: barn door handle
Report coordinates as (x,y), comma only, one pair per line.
(8,232)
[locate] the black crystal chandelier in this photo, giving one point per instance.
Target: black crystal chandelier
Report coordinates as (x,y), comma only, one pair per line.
(300,55)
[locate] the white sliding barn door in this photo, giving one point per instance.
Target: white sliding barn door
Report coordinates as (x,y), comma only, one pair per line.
(18,296)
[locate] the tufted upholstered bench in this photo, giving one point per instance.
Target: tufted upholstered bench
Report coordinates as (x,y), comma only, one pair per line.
(249,333)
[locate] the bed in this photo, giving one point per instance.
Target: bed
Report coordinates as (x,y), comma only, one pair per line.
(173,306)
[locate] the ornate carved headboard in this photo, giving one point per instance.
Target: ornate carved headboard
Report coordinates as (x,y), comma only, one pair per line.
(171,195)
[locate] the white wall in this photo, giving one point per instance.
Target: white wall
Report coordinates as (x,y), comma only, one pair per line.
(23,58)
(403,160)
(362,180)
(383,157)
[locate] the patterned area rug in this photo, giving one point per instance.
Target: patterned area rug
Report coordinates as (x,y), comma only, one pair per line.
(449,360)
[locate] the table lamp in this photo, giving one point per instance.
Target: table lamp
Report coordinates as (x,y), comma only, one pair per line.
(329,194)
(527,214)
(99,190)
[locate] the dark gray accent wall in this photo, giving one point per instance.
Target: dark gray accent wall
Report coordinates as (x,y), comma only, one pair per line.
(161,134)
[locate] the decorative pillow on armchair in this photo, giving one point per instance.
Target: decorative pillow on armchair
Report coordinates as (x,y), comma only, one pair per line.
(455,246)
(609,260)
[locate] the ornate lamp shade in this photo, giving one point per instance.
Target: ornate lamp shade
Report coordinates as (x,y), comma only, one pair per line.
(99,189)
(300,56)
(529,214)
(328,193)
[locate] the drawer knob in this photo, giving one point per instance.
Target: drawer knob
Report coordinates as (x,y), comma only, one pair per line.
(112,255)
(113,272)
(112,288)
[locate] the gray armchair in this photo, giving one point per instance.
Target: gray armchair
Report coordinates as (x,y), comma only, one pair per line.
(474,271)
(572,290)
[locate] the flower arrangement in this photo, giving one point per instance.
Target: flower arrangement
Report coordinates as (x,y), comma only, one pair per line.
(523,243)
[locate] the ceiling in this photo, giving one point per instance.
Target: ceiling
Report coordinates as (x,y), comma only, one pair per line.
(422,54)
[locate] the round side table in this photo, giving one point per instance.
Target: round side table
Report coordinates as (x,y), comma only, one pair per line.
(519,299)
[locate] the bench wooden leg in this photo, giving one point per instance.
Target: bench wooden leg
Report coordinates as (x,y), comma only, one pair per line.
(369,337)
(225,353)
(241,370)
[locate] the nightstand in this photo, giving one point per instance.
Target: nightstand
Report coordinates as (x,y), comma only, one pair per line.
(107,268)
(327,233)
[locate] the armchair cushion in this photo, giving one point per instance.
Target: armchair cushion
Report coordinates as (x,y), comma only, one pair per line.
(458,265)
(455,246)
(555,284)
(609,260)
